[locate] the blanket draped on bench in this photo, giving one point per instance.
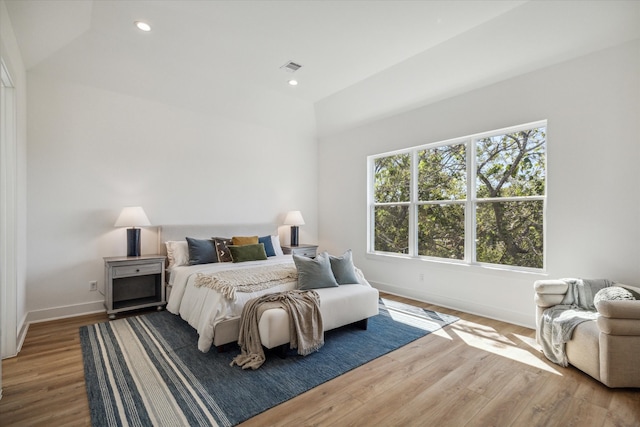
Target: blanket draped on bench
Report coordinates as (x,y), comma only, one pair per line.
(306,330)
(558,322)
(253,279)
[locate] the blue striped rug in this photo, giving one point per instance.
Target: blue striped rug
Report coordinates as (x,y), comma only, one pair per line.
(147,370)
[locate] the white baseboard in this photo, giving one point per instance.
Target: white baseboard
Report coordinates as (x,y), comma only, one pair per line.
(496,313)
(47,314)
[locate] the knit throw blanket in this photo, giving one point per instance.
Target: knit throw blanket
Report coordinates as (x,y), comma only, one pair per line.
(558,322)
(253,279)
(306,330)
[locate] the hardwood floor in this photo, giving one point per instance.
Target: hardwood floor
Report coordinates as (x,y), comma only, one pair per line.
(476,372)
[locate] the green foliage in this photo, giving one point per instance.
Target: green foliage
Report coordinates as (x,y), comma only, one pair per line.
(392,229)
(510,233)
(507,232)
(442,173)
(441,231)
(392,176)
(511,165)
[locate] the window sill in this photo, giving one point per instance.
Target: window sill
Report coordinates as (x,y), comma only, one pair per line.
(451,264)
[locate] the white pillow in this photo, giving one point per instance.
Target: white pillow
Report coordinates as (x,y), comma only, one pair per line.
(275,241)
(177,253)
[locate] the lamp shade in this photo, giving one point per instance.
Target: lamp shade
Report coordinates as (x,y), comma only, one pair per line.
(294,218)
(132,216)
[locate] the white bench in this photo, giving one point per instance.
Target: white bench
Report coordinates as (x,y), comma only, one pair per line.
(339,306)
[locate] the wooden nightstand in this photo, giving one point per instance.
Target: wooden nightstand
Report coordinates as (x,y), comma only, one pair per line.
(133,282)
(303,250)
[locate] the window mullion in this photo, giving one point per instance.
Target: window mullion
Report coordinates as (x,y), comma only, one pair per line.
(413,209)
(470,205)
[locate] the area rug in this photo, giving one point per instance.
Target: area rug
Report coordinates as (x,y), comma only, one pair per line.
(147,370)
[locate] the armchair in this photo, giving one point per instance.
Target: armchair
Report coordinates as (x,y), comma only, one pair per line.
(608,348)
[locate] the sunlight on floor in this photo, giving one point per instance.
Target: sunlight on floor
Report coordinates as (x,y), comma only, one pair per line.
(488,339)
(415,320)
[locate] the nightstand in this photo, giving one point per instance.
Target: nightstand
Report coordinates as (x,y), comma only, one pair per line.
(303,250)
(133,282)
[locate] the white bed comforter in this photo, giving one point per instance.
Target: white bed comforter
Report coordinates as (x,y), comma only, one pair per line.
(202,307)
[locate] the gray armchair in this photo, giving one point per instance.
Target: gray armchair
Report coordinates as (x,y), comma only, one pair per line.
(607,348)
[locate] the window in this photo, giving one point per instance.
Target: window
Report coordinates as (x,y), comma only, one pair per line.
(478,199)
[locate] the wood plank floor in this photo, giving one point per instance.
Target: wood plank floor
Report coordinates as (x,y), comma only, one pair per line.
(476,372)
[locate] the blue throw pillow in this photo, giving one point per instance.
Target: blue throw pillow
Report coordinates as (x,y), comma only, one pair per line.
(343,269)
(268,245)
(314,273)
(201,251)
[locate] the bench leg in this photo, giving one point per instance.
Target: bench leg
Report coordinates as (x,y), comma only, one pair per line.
(362,324)
(282,350)
(226,347)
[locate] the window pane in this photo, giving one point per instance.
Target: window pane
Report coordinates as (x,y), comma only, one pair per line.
(392,229)
(392,179)
(442,173)
(510,233)
(441,231)
(511,165)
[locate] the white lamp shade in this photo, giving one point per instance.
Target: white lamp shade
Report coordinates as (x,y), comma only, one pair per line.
(294,218)
(132,216)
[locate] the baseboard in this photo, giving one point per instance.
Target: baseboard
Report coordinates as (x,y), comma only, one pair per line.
(45,315)
(490,312)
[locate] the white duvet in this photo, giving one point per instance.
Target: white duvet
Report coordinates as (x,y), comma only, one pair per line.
(202,307)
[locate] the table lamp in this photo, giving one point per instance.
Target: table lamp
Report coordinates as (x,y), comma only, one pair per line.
(133,217)
(294,219)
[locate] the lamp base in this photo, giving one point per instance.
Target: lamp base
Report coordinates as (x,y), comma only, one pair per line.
(133,242)
(294,235)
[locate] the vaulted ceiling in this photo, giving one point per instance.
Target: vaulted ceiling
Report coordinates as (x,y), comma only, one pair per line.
(231,51)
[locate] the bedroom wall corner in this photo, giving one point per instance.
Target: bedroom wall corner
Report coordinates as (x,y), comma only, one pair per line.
(93,151)
(592,104)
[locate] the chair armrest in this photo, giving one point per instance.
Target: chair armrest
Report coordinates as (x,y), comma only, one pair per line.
(553,287)
(549,292)
(619,317)
(619,309)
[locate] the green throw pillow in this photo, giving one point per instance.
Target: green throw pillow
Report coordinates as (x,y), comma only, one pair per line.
(247,252)
(314,273)
(343,269)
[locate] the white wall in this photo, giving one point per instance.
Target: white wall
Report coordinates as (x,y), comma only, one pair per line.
(593,219)
(11,55)
(93,150)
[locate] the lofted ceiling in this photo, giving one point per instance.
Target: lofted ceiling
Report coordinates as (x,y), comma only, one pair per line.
(231,51)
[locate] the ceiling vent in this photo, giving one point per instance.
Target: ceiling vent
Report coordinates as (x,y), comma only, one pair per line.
(291,66)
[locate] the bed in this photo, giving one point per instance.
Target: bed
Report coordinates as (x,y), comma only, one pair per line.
(215,316)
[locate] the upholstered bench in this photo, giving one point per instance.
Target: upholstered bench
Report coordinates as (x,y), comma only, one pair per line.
(339,306)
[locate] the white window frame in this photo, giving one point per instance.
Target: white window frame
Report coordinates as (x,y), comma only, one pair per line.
(470,203)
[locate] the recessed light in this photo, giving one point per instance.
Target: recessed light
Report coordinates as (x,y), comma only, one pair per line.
(143,26)
(293,82)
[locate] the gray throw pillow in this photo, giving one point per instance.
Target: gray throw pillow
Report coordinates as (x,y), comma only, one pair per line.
(314,273)
(201,251)
(343,269)
(612,293)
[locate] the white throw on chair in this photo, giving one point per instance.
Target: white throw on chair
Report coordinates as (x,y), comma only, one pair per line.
(608,347)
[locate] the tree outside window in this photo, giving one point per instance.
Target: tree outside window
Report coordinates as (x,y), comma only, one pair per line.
(477,200)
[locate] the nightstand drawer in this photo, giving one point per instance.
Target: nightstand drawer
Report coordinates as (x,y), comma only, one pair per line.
(311,253)
(136,270)
(303,250)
